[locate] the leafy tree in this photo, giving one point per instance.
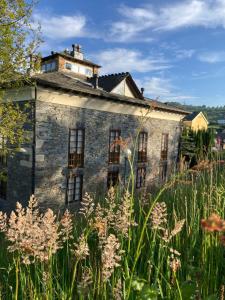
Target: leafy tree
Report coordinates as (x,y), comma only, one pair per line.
(196,146)
(18,43)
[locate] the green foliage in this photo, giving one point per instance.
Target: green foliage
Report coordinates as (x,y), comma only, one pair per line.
(197,145)
(18,42)
(144,271)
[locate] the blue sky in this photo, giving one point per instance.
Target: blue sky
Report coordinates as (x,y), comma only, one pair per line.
(174,49)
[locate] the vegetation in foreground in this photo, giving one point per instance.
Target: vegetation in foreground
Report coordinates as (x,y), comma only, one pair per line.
(166,246)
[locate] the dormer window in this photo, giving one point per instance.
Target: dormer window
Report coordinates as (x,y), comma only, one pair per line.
(76,68)
(48,67)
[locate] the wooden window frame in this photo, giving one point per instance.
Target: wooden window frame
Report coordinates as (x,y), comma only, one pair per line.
(142,146)
(111,176)
(163,170)
(164,146)
(75,159)
(114,149)
(74,188)
(141,177)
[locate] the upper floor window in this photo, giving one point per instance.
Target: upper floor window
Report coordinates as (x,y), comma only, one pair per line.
(48,67)
(164,146)
(76,148)
(112,178)
(142,146)
(74,188)
(114,147)
(140,178)
(68,66)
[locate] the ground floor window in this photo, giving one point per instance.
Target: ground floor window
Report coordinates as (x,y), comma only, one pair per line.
(163,170)
(74,188)
(140,178)
(3,186)
(112,178)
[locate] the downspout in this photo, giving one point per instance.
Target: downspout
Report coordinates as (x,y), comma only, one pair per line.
(34,142)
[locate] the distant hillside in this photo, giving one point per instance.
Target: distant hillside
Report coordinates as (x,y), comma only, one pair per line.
(213,113)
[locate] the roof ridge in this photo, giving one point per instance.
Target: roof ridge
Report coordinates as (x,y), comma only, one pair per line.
(115,74)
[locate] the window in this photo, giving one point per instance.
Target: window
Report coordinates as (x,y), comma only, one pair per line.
(163,171)
(48,67)
(114,147)
(76,148)
(164,146)
(142,146)
(112,178)
(68,66)
(88,72)
(140,179)
(74,188)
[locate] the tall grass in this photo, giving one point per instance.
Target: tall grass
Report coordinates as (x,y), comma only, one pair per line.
(120,247)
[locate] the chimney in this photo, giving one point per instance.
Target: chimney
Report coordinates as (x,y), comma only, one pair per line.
(76,52)
(95,81)
(142,91)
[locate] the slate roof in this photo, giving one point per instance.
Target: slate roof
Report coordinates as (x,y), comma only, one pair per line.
(109,82)
(70,57)
(66,82)
(192,116)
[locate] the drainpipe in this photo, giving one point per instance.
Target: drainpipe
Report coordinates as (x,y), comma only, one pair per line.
(34,141)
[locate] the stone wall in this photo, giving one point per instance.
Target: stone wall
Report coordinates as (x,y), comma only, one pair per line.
(20,166)
(52,138)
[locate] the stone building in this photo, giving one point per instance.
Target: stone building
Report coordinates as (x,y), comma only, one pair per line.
(82,127)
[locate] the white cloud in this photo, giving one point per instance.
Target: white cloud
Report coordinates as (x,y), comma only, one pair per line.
(212,57)
(61,27)
(127,60)
(139,20)
(162,89)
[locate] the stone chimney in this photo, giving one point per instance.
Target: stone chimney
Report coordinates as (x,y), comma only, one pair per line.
(142,91)
(76,52)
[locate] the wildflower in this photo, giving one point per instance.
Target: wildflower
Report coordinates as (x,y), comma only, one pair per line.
(123,216)
(3,220)
(110,256)
(175,264)
(34,235)
(128,153)
(87,206)
(109,211)
(177,229)
(81,250)
(100,223)
(117,291)
(86,280)
(213,223)
(159,216)
(67,226)
(123,143)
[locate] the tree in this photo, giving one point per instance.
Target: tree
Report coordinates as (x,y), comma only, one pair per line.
(18,43)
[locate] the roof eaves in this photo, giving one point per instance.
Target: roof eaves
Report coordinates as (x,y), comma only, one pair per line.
(106,95)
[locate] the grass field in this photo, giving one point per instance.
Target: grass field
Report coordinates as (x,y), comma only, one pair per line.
(162,246)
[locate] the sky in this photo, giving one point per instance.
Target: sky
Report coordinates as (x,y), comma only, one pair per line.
(175,49)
